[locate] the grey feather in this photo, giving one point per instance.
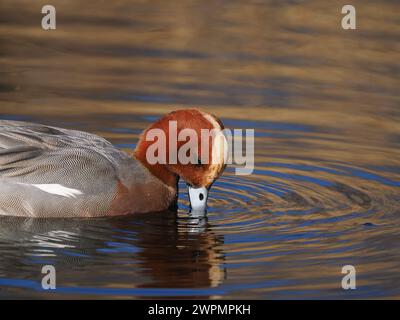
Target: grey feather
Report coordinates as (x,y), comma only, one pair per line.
(36,154)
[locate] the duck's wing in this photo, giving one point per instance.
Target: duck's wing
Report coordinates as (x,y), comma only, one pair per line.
(18,153)
(29,148)
(16,133)
(22,144)
(40,164)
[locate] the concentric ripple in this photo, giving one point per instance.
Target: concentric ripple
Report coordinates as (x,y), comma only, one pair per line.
(308,192)
(300,220)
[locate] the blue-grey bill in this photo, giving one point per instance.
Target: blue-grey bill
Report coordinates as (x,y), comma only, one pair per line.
(198,199)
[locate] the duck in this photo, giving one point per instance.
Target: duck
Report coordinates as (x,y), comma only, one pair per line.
(51,172)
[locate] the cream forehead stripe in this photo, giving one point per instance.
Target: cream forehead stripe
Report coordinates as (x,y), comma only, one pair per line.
(56,189)
(219,147)
(211,120)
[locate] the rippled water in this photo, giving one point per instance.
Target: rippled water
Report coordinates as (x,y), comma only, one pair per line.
(324,104)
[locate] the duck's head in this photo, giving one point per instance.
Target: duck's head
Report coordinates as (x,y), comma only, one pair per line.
(189,144)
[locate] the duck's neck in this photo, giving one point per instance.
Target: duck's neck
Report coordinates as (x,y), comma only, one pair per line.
(160,171)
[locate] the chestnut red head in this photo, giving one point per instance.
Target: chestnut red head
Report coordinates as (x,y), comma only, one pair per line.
(207,162)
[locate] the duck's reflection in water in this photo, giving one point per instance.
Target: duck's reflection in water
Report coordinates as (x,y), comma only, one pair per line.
(187,254)
(154,250)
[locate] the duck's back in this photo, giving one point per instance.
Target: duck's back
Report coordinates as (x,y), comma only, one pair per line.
(52,172)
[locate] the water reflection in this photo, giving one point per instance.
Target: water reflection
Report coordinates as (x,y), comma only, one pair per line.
(149,251)
(186,254)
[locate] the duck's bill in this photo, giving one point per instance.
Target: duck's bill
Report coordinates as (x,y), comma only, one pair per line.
(198,199)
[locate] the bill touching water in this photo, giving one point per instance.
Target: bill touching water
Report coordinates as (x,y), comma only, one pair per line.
(317,217)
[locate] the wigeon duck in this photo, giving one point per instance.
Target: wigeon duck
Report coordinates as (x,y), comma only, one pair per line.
(53,172)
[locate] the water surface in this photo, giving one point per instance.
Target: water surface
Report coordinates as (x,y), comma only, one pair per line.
(324,103)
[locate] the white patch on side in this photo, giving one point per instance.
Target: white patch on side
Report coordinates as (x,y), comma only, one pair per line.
(57,189)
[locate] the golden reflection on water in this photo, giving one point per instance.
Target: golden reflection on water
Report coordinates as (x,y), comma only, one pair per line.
(328,172)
